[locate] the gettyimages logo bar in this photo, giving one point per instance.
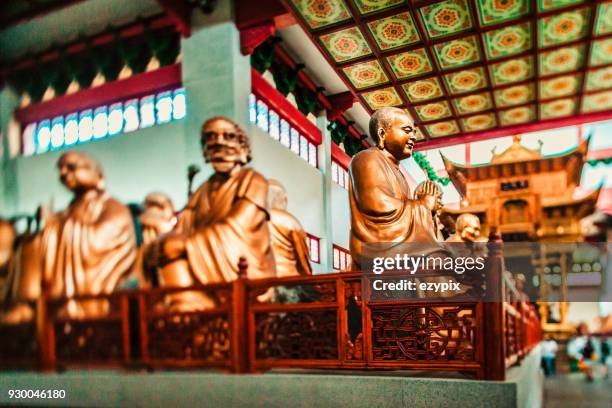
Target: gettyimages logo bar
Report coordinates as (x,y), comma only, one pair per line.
(485,272)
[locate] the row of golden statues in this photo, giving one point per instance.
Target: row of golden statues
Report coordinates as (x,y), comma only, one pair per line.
(90,248)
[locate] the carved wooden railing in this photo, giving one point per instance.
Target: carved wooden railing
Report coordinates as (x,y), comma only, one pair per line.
(321,321)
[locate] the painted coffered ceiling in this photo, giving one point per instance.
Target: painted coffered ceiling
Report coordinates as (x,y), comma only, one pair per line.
(468,66)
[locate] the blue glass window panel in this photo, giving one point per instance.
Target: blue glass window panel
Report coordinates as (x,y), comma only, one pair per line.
(57,132)
(304,148)
(252,108)
(284,132)
(147,112)
(71,129)
(312,154)
(130,115)
(314,253)
(336,259)
(43,136)
(179,104)
(28,146)
(163,106)
(115,119)
(295,141)
(274,125)
(85,126)
(262,116)
(100,123)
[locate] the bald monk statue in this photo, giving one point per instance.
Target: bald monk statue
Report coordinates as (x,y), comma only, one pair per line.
(382,210)
(225,219)
(288,237)
(467,229)
(86,249)
(158,216)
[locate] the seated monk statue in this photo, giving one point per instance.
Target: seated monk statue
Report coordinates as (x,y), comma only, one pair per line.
(288,237)
(158,216)
(382,210)
(430,194)
(86,249)
(467,230)
(224,220)
(7,241)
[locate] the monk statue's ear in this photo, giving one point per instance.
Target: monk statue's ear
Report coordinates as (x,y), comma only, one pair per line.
(381,138)
(101,185)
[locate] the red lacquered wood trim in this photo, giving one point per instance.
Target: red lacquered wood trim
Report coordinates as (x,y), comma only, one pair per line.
(134,86)
(340,157)
(266,92)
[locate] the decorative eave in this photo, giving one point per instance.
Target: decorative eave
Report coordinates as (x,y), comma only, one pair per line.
(586,205)
(571,161)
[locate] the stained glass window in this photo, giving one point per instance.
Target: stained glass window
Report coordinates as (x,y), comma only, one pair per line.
(115,119)
(262,115)
(270,121)
(147,112)
(100,123)
(295,141)
(130,115)
(57,132)
(43,136)
(163,106)
(103,121)
(274,125)
(179,104)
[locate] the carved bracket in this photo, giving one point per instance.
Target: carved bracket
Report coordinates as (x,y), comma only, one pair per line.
(253,36)
(340,103)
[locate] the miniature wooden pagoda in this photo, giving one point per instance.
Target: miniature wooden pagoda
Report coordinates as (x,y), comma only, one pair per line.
(524,196)
(528,197)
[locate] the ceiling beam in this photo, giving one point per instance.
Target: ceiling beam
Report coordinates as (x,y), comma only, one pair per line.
(514,130)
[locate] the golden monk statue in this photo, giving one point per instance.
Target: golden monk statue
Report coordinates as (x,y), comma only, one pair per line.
(158,216)
(225,219)
(7,241)
(430,194)
(381,208)
(288,237)
(87,249)
(467,229)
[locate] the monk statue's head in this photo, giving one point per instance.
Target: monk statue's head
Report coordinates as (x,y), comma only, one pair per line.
(277,195)
(468,227)
(80,172)
(394,131)
(225,144)
(159,204)
(430,194)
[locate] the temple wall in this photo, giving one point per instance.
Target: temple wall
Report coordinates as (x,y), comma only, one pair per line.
(134,164)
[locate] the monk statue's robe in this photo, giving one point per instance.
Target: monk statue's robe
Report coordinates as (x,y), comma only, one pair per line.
(382,210)
(89,247)
(84,250)
(225,219)
(289,244)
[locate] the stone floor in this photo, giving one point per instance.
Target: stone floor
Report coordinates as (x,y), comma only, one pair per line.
(572,390)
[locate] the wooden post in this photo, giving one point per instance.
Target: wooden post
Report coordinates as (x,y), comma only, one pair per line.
(45,334)
(239,319)
(125,327)
(494,349)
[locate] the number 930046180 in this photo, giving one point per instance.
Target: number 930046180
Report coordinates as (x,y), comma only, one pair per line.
(37,394)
